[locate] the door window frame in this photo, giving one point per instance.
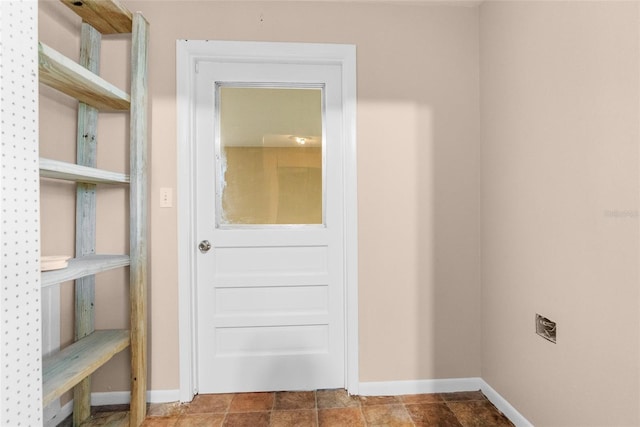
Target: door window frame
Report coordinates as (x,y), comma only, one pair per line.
(219,187)
(188,53)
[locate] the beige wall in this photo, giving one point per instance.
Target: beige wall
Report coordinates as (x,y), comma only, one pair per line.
(560,108)
(559,83)
(418,171)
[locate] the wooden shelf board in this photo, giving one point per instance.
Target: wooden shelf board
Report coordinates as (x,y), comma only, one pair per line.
(71,172)
(106,16)
(84,266)
(67,76)
(66,368)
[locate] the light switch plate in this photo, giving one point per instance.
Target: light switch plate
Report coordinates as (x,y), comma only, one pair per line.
(166,197)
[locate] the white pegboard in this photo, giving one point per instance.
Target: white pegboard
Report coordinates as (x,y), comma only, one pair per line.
(20,335)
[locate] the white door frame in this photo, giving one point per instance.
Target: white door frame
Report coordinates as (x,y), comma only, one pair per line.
(188,53)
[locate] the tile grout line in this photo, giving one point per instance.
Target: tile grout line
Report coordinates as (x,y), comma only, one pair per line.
(404,406)
(317,415)
(273,405)
(226,412)
(366,423)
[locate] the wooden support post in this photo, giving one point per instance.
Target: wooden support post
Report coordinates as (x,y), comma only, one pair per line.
(86,216)
(138,225)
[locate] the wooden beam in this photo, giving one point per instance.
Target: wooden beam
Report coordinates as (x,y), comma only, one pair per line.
(67,76)
(86,153)
(66,368)
(138,223)
(87,265)
(71,172)
(106,16)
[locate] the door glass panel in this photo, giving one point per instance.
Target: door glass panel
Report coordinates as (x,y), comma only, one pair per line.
(270,151)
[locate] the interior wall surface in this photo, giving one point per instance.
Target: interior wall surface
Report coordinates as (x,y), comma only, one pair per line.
(418,171)
(560,103)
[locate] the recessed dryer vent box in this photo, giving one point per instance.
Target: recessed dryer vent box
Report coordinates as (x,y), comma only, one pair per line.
(546,328)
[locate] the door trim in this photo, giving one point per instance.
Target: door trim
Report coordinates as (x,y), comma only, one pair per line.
(188,52)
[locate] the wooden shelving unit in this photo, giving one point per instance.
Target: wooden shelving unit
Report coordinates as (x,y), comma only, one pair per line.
(65,75)
(68,367)
(73,365)
(84,266)
(77,173)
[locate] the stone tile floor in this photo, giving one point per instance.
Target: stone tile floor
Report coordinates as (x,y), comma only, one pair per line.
(314,408)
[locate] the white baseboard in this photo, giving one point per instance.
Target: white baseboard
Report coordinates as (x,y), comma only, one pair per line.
(110,398)
(60,416)
(122,397)
(395,388)
(117,398)
(163,396)
(505,407)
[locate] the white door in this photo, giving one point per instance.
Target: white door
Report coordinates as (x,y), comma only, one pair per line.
(269,201)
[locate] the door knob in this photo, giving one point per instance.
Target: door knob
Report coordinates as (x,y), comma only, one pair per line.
(204,246)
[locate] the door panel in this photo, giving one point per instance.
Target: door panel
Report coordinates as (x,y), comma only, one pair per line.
(270,292)
(269,261)
(272,340)
(271,300)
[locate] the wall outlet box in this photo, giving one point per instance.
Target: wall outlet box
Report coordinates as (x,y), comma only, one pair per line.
(546,328)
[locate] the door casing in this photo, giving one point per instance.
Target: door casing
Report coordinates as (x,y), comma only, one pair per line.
(188,53)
